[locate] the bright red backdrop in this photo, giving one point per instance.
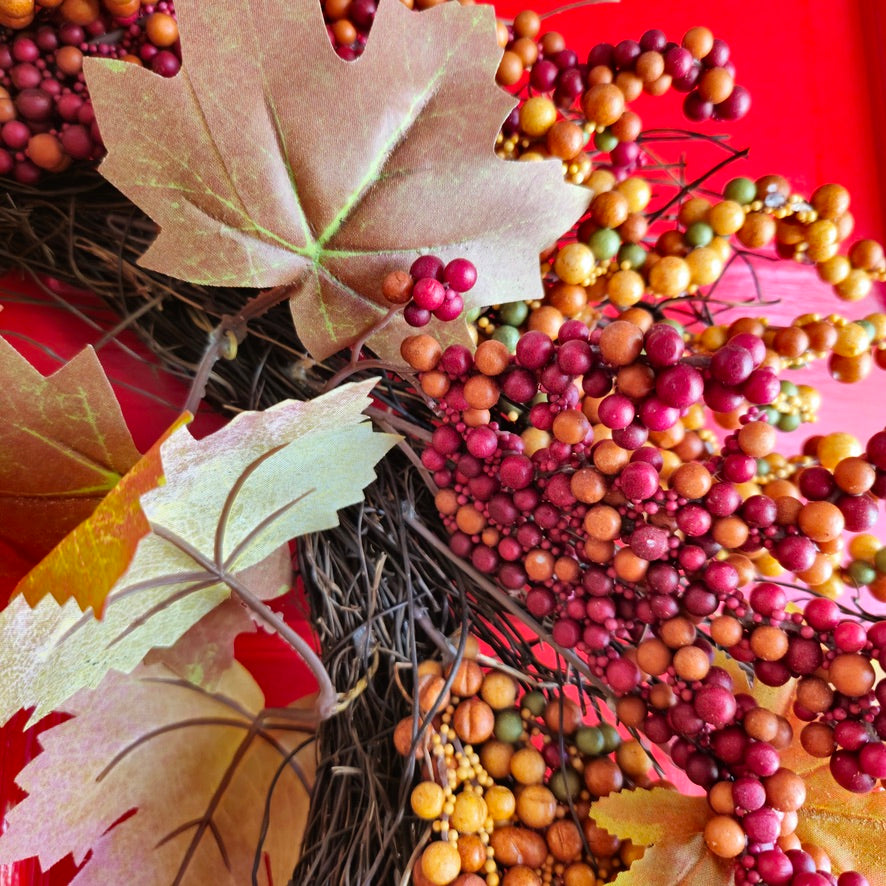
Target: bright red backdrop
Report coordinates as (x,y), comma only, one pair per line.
(819,114)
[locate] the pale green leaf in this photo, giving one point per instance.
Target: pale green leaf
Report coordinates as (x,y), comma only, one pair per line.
(230,500)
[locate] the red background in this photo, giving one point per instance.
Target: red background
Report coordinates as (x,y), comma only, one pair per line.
(815,70)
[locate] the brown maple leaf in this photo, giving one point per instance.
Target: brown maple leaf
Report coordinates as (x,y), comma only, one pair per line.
(63,446)
(321,175)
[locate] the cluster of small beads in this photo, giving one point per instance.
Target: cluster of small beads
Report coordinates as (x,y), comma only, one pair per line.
(430,288)
(508,781)
(549,123)
(46,118)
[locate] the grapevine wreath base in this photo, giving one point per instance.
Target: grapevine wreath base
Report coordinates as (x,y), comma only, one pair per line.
(382,590)
(405,582)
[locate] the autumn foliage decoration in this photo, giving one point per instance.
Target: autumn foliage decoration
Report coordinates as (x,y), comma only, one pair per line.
(593,484)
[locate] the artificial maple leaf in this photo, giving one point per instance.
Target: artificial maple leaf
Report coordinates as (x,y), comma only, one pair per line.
(205,652)
(322,175)
(229,501)
(63,447)
(851,828)
(199,768)
(671,825)
(89,560)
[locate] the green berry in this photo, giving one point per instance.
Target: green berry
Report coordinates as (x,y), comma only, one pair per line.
(589,740)
(611,738)
(514,313)
(605,141)
(508,336)
(508,725)
(535,702)
(604,243)
(632,253)
(698,234)
(862,573)
(565,784)
(741,190)
(788,421)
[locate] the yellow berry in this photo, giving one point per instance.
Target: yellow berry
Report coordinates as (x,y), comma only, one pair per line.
(574,263)
(500,802)
(625,288)
(537,115)
(427,800)
(864,546)
(670,276)
(855,286)
(632,757)
(469,813)
(637,191)
(440,862)
(833,448)
(705,265)
(852,341)
(726,217)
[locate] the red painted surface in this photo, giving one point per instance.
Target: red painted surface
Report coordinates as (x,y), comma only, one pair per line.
(815,70)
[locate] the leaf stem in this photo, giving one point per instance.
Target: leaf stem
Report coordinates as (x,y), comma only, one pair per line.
(227,335)
(354,363)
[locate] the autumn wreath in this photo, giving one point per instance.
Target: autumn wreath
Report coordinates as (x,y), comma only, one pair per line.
(584,612)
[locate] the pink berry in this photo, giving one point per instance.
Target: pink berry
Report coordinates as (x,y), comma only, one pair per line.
(450,309)
(460,275)
(428,293)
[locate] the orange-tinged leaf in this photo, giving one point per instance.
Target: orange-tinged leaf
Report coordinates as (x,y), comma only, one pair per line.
(671,826)
(684,863)
(89,560)
(251,198)
(196,766)
(851,828)
(63,447)
(648,816)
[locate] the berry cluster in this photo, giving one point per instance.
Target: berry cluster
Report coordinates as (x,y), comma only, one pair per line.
(431,288)
(611,78)
(576,472)
(508,780)
(46,118)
